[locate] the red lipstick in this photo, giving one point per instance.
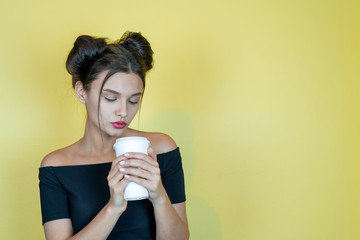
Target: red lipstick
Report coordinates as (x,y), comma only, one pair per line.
(119,124)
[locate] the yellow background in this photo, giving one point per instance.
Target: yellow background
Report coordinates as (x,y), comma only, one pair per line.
(263,98)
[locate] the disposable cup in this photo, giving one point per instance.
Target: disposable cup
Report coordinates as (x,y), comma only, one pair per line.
(133,191)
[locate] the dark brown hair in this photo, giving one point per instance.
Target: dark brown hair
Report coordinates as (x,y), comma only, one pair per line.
(91,56)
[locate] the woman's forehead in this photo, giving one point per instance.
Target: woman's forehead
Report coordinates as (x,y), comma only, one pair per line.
(123,83)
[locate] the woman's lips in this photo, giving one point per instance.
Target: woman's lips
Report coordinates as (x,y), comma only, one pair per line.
(119,125)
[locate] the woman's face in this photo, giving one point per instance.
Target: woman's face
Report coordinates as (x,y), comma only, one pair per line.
(119,102)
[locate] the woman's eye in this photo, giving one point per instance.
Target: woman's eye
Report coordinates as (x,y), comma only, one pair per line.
(132,102)
(110,99)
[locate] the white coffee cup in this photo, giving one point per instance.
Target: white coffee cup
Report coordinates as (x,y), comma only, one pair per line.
(133,191)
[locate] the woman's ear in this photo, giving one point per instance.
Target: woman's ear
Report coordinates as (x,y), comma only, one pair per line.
(80,92)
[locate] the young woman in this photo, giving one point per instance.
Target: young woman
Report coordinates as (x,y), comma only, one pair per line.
(82,185)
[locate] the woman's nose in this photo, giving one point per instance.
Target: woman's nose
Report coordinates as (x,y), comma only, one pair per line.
(121,110)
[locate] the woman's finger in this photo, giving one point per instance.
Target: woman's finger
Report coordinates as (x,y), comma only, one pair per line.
(152,154)
(141,164)
(143,182)
(112,181)
(142,156)
(115,166)
(138,172)
(122,184)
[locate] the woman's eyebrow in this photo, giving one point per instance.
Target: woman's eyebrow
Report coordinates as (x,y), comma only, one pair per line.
(111,91)
(115,92)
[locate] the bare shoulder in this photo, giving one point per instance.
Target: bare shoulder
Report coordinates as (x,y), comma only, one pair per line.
(160,142)
(57,158)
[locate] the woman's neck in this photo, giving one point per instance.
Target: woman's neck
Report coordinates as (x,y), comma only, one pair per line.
(94,142)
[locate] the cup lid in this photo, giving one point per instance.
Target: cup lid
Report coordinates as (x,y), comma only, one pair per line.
(132,139)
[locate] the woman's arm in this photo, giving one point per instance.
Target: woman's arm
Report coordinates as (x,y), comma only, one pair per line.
(171,221)
(101,226)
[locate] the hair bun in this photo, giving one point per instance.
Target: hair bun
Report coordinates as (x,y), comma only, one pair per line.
(138,45)
(83,55)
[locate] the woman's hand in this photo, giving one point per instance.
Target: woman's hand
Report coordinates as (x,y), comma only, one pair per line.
(144,170)
(117,184)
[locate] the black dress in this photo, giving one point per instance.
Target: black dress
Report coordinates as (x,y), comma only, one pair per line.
(80,192)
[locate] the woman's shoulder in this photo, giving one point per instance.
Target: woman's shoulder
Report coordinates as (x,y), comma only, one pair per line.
(59,157)
(160,142)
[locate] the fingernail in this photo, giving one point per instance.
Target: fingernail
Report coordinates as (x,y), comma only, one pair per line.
(127,176)
(122,162)
(126,154)
(122,169)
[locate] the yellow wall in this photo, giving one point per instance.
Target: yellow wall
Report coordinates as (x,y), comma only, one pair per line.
(263,97)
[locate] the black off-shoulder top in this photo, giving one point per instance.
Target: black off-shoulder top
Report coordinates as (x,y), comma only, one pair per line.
(80,192)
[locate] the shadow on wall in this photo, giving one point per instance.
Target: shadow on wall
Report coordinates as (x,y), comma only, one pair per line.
(204,222)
